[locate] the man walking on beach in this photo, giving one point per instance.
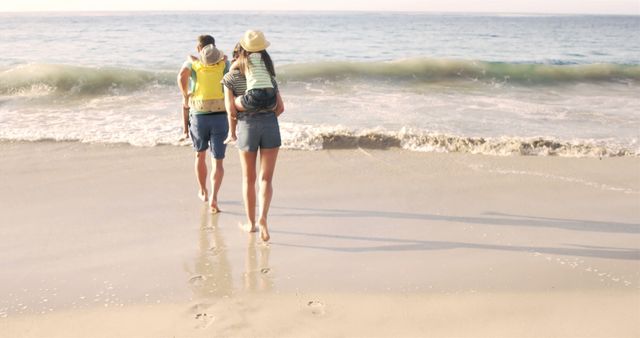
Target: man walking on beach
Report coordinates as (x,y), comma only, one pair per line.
(204,113)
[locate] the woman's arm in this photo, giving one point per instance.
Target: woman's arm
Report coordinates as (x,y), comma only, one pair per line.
(279,104)
(232,114)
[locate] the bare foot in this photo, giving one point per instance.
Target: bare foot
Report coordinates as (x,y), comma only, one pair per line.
(247,227)
(203,195)
(214,205)
(264,231)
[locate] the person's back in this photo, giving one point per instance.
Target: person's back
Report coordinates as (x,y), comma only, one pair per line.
(255,63)
(258,77)
(204,113)
(207,72)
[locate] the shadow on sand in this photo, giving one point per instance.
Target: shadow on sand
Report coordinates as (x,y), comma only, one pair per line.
(491,218)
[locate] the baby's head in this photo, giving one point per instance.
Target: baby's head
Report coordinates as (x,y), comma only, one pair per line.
(210,55)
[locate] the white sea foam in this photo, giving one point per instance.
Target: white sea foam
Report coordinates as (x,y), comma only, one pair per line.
(151,130)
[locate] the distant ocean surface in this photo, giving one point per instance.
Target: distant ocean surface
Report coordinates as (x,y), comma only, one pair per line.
(490,84)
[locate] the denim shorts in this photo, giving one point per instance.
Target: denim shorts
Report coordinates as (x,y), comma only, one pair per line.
(209,130)
(256,99)
(258,130)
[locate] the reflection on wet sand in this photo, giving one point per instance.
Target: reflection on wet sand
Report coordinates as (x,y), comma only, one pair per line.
(211,278)
(257,272)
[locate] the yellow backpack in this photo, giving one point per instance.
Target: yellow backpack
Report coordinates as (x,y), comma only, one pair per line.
(207,95)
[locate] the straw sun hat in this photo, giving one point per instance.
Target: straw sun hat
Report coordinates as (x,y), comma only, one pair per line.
(254,41)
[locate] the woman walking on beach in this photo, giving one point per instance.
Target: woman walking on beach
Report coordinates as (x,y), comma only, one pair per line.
(258,131)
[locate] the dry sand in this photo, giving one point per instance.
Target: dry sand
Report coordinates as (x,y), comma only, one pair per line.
(111,241)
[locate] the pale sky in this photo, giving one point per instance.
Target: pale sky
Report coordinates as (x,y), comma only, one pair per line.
(494,6)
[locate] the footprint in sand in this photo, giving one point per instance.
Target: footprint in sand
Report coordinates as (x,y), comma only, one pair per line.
(316,307)
(200,312)
(265,270)
(197,280)
(214,251)
(204,320)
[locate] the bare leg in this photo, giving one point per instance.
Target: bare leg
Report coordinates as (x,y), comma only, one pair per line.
(268,159)
(238,103)
(248,162)
(216,180)
(201,174)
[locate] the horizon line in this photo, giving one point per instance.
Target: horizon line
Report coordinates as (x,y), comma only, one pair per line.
(79,11)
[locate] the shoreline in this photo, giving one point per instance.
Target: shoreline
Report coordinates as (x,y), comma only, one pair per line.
(426,243)
(414,141)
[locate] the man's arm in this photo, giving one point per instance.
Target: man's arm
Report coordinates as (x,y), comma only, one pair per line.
(185,123)
(183,84)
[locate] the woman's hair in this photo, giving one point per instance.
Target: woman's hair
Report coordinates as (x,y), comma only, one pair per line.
(236,52)
(243,60)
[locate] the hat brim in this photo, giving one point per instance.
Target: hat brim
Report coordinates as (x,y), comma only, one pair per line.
(216,61)
(253,49)
(206,60)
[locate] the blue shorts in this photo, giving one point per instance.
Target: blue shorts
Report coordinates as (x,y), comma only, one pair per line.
(257,99)
(258,130)
(209,130)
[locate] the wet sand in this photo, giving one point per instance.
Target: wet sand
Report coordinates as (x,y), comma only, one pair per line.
(111,241)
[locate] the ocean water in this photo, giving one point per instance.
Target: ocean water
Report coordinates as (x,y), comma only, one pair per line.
(491,84)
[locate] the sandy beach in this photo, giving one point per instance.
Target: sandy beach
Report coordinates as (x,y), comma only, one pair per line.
(111,241)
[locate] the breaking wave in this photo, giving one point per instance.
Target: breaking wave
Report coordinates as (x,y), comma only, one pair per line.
(313,138)
(45,79)
(435,70)
(330,138)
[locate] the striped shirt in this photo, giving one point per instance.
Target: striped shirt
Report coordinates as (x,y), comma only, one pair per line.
(258,76)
